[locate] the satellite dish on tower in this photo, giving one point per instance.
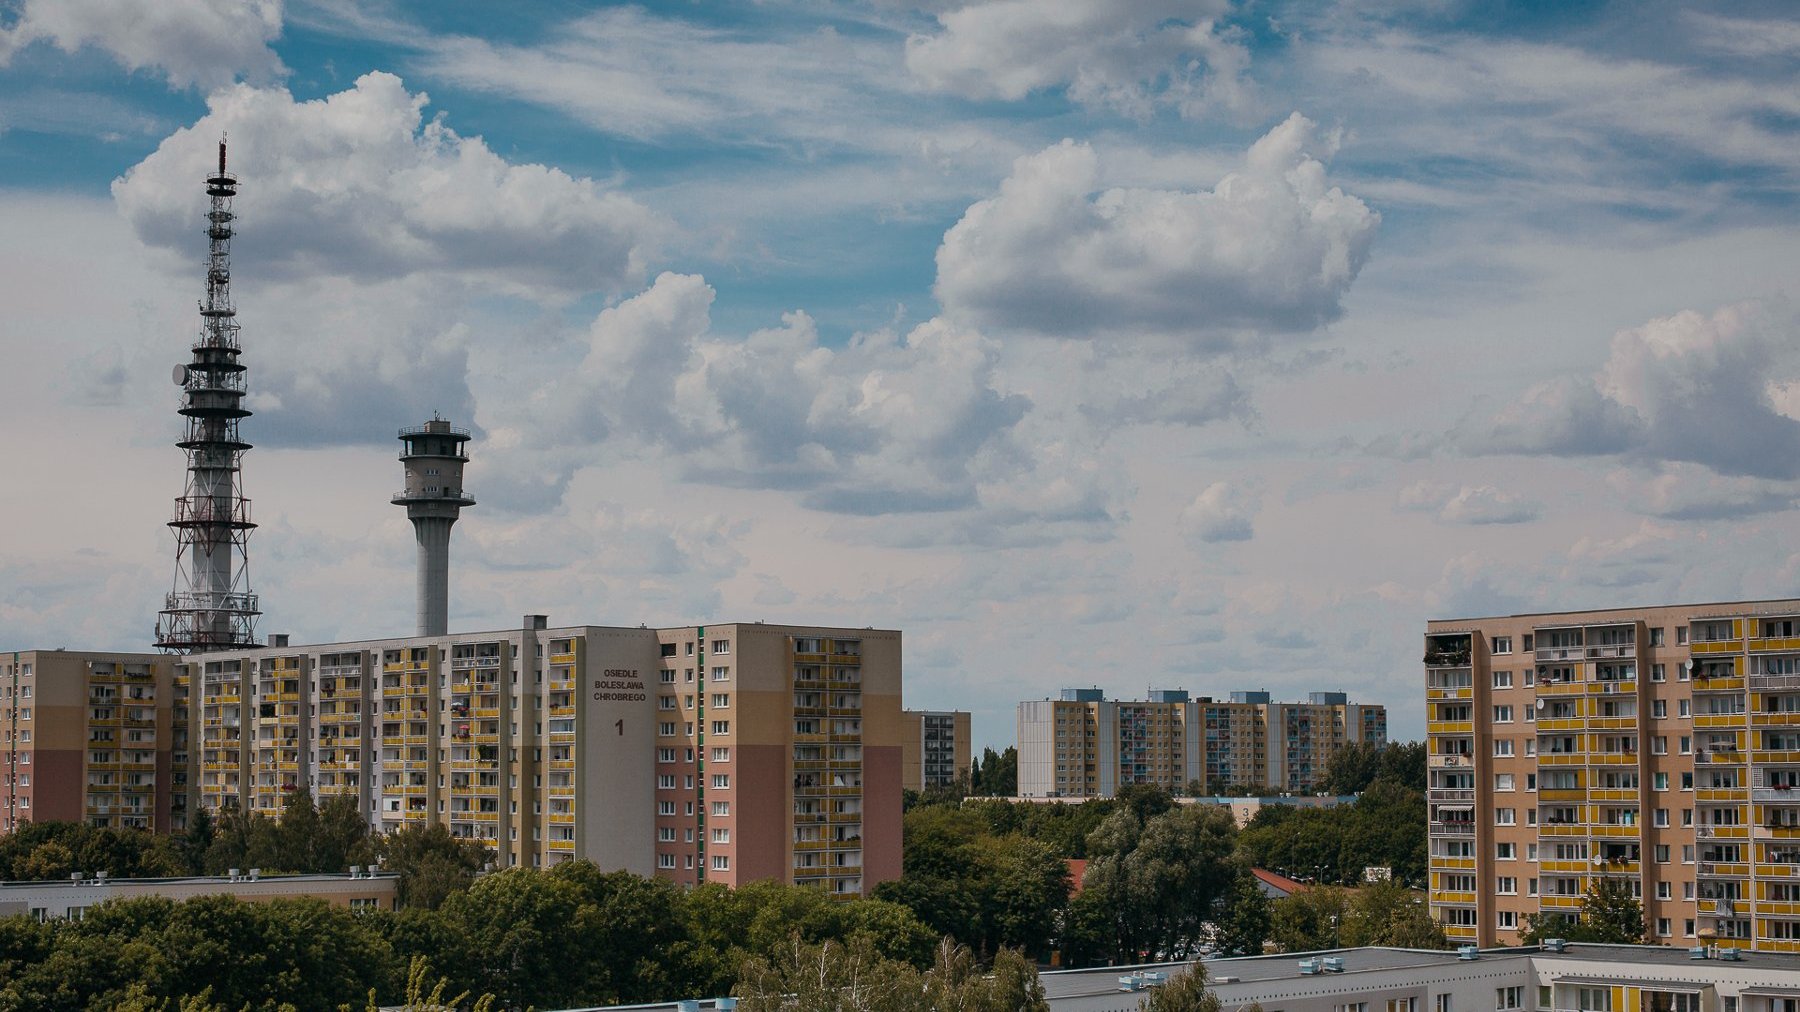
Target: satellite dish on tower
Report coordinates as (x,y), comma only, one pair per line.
(180,375)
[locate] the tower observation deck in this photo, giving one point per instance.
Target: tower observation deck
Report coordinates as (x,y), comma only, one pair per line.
(434,456)
(211,606)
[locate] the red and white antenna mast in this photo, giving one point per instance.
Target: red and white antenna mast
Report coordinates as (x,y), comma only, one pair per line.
(211,606)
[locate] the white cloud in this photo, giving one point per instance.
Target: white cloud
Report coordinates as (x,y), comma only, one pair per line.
(193,43)
(1127,56)
(1270,246)
(1468,504)
(886,424)
(1681,491)
(359,185)
(1688,387)
(1223,511)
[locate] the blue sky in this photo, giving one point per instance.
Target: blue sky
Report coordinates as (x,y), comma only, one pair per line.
(1180,343)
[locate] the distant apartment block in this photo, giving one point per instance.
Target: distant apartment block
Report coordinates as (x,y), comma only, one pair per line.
(935,748)
(1085,745)
(71,899)
(1659,745)
(724,753)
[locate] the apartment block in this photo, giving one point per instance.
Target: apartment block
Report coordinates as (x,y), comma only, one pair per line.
(90,737)
(1084,745)
(718,753)
(1656,745)
(935,748)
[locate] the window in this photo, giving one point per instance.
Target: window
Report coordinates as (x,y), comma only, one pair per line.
(666,729)
(1681,634)
(1501,645)
(1503,714)
(1661,817)
(1658,673)
(1659,745)
(1665,891)
(721,808)
(721,727)
(721,781)
(721,674)
(721,700)
(665,808)
(1686,743)
(1352,1006)
(721,835)
(664,782)
(1659,708)
(1502,679)
(1506,885)
(1656,636)
(1504,817)
(1503,747)
(1505,851)
(1503,781)
(1593,999)
(721,862)
(1507,920)
(721,646)
(665,860)
(1531,852)
(665,834)
(665,755)
(1684,710)
(1659,781)
(1664,927)
(1662,853)
(721,755)
(1509,997)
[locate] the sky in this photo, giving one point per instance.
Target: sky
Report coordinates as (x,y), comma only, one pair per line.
(1164,344)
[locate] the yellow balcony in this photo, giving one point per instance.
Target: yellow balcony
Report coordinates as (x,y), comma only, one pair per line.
(556,711)
(1448,727)
(1464,692)
(562,818)
(1708,832)
(1720,721)
(1764,718)
(1612,688)
(1563,829)
(1561,724)
(1716,647)
(1565,867)
(1613,794)
(1766,756)
(1453,864)
(562,791)
(1561,688)
(562,845)
(1727,683)
(1562,759)
(1719,794)
(562,685)
(1560,902)
(1458,931)
(568,658)
(1616,831)
(1612,758)
(1758,643)
(562,764)
(1451,896)
(1777,832)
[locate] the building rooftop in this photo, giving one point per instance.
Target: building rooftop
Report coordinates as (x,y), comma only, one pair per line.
(86,880)
(1784,603)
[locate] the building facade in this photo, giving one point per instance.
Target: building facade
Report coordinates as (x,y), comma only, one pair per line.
(90,737)
(935,749)
(1085,745)
(719,753)
(1658,745)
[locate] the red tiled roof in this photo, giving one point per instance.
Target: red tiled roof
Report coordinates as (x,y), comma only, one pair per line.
(1077,871)
(1281,882)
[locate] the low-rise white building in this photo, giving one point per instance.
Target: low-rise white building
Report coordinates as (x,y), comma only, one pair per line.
(359,890)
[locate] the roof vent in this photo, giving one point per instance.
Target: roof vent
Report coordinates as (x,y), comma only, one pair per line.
(1225,980)
(1555,944)
(255,873)
(1332,964)
(1731,955)
(688,1005)
(356,871)
(725,1004)
(1153,978)
(234,873)
(1467,952)
(75,877)
(99,876)
(1309,966)
(1698,952)
(1129,982)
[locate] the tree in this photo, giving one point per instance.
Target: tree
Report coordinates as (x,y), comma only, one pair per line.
(432,864)
(1609,914)
(853,977)
(1388,913)
(1186,991)
(197,840)
(1157,880)
(1311,919)
(1244,921)
(995,774)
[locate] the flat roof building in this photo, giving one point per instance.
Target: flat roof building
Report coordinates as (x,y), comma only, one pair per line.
(44,900)
(1083,745)
(935,749)
(1659,745)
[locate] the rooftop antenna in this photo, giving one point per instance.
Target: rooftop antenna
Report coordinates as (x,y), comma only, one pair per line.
(211,606)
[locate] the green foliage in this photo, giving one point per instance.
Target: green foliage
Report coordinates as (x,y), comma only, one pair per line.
(1184,992)
(1351,769)
(42,851)
(432,864)
(1329,917)
(988,891)
(1384,828)
(1153,882)
(854,977)
(1609,914)
(1064,828)
(995,774)
(1245,919)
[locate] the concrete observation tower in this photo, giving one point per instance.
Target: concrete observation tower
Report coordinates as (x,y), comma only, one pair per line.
(434,457)
(211,606)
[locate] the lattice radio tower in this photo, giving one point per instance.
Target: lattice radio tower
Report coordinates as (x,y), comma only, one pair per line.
(211,606)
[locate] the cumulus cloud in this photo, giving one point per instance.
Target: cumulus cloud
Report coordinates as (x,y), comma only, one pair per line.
(193,43)
(889,423)
(359,185)
(1690,492)
(1468,504)
(1690,387)
(1223,511)
(1131,57)
(1272,245)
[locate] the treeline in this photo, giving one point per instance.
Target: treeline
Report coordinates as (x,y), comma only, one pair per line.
(306,838)
(568,936)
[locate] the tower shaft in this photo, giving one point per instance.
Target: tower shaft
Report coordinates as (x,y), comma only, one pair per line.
(434,456)
(211,606)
